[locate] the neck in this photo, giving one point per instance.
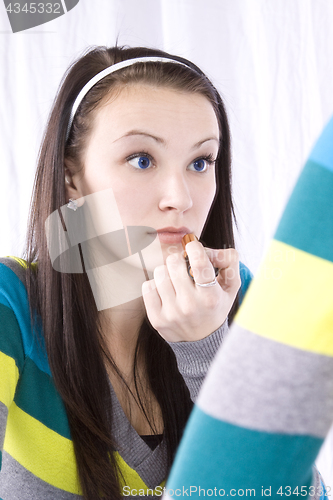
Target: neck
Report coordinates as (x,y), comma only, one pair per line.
(120,327)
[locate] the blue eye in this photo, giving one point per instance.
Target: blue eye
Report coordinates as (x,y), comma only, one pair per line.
(202,164)
(199,165)
(143,162)
(140,162)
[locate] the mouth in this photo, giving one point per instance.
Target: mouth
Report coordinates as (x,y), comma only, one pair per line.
(172,235)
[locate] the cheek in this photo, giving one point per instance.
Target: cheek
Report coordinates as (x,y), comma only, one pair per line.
(132,204)
(203,202)
(90,184)
(205,198)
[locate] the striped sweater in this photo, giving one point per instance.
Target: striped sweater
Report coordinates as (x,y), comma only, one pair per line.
(267,402)
(37,453)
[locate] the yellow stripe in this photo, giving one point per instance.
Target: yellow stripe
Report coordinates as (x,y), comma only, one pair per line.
(23,262)
(51,457)
(291,300)
(132,479)
(40,450)
(9,376)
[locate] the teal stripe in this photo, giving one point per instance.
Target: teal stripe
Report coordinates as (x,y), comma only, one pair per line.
(246,278)
(37,396)
(10,286)
(307,222)
(11,344)
(322,153)
(216,454)
(13,294)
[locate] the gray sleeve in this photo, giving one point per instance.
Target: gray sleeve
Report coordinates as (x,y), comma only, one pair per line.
(3,423)
(194,358)
(318,484)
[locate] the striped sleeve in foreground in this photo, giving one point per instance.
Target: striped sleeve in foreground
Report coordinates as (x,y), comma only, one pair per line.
(267,402)
(11,360)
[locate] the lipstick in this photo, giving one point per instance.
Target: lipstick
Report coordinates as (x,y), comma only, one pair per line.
(186,239)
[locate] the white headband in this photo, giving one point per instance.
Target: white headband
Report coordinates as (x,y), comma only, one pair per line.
(108,71)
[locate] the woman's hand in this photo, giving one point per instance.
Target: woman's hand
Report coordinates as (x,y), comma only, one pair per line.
(179,309)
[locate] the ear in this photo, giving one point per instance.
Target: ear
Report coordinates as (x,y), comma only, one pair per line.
(73,190)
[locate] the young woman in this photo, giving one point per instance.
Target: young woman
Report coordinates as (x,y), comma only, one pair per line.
(99,368)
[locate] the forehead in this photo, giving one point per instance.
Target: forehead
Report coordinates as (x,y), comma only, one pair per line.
(162,109)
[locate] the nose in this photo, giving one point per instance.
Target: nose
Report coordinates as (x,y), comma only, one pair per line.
(175,192)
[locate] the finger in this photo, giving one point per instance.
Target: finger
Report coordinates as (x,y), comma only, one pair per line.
(228,263)
(177,269)
(164,286)
(222,258)
(152,300)
(202,268)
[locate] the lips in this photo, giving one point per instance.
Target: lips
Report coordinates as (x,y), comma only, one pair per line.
(183,230)
(172,235)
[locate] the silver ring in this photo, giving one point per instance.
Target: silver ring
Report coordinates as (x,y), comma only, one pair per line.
(211,283)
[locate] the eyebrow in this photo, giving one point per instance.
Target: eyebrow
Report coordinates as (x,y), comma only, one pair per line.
(159,140)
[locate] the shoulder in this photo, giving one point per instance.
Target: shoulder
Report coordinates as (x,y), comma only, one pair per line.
(246,278)
(12,280)
(12,293)
(13,271)
(16,326)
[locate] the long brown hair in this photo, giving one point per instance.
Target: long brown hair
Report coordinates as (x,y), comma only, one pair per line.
(64,301)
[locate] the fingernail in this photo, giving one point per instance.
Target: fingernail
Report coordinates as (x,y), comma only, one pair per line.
(187,238)
(146,287)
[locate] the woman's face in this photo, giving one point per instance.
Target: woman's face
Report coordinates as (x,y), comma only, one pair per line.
(155,148)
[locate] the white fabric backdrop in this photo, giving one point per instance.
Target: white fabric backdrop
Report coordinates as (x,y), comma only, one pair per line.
(271,60)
